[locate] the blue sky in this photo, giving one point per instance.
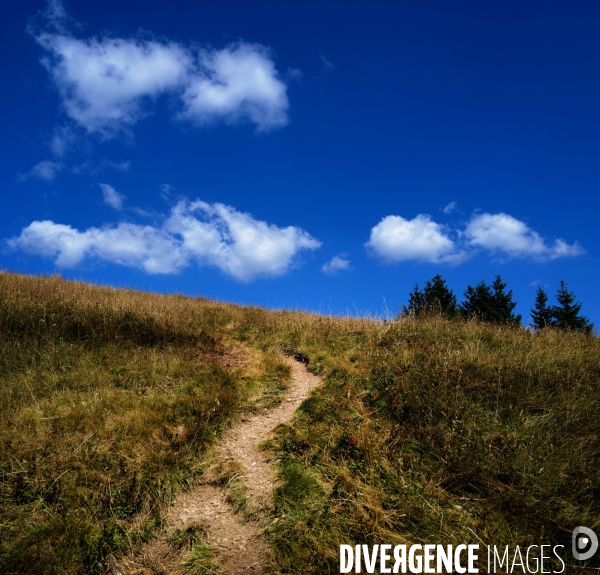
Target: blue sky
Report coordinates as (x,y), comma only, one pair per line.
(320,155)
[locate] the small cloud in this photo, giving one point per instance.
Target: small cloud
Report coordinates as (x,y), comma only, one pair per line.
(166,192)
(293,75)
(329,67)
(235,242)
(127,244)
(45,170)
(336,264)
(450,208)
(64,137)
(561,249)
(237,83)
(396,239)
(144,213)
(49,169)
(503,234)
(55,18)
(112,197)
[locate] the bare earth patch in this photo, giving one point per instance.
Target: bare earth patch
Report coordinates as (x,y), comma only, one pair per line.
(235,537)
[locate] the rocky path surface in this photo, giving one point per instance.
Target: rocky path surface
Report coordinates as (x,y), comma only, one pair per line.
(235,537)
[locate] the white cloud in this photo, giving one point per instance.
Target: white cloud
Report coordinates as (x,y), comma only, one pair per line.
(107,84)
(103,82)
(55,16)
(112,197)
(502,233)
(449,208)
(63,137)
(167,192)
(236,83)
(45,238)
(45,170)
(396,239)
(209,234)
(235,242)
(336,264)
(127,244)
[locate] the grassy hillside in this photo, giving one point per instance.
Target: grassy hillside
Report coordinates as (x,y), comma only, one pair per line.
(439,432)
(425,431)
(108,401)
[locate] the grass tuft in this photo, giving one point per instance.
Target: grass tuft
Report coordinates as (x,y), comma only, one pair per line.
(199,561)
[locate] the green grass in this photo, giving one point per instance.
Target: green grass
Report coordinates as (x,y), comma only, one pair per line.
(424,431)
(198,558)
(199,561)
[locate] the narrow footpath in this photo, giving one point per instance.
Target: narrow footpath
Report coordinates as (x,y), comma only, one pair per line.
(234,536)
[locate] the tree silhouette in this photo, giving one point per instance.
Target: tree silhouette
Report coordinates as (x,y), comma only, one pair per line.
(439,298)
(478,301)
(541,312)
(566,313)
(490,303)
(416,303)
(436,298)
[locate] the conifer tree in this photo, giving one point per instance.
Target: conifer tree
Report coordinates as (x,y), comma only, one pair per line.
(416,302)
(436,298)
(439,298)
(478,301)
(541,314)
(490,303)
(503,304)
(566,313)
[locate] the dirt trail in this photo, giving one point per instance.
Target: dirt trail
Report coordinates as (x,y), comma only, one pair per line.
(237,542)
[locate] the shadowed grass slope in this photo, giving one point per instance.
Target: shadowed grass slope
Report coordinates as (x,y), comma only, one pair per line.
(108,400)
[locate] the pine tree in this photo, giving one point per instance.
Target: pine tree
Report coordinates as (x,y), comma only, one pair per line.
(416,303)
(566,313)
(541,314)
(439,298)
(503,304)
(490,303)
(478,301)
(436,298)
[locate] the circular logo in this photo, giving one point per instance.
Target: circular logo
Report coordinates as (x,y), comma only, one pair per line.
(585,543)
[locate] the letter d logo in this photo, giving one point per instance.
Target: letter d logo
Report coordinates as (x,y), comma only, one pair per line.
(585,543)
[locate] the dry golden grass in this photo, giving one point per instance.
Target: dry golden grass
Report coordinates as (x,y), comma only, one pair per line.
(425,431)
(440,432)
(109,399)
